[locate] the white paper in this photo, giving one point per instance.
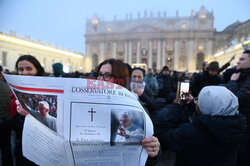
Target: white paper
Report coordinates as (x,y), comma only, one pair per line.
(41,145)
(87,114)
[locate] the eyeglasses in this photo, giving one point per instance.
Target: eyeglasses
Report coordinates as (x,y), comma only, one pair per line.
(105,76)
(196,100)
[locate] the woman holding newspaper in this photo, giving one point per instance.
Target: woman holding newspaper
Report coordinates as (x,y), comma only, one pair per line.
(26,65)
(116,71)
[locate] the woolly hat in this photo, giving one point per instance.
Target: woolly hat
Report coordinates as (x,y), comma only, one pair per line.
(165,68)
(213,66)
(58,69)
(217,100)
(150,71)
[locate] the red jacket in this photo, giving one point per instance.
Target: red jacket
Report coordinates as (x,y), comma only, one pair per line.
(12,106)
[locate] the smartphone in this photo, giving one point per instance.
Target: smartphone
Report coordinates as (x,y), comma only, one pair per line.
(183,91)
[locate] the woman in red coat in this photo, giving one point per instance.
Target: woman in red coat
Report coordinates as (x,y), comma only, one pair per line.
(29,66)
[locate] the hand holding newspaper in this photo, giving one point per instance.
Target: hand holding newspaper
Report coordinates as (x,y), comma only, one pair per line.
(80,122)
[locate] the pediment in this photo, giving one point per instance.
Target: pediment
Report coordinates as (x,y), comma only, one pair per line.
(145,28)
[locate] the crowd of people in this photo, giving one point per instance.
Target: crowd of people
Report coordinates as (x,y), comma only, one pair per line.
(212,127)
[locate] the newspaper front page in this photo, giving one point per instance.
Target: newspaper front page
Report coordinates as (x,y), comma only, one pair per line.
(80,122)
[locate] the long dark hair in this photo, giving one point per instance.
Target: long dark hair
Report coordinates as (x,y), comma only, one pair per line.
(34,61)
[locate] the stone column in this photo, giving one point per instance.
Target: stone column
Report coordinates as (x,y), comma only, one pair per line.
(163,62)
(88,64)
(126,52)
(150,55)
(138,59)
(176,54)
(130,52)
(209,47)
(158,63)
(114,50)
(102,53)
(190,57)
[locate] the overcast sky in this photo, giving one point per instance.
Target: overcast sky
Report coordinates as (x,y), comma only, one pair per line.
(62,22)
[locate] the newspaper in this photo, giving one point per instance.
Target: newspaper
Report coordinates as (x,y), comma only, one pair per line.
(80,122)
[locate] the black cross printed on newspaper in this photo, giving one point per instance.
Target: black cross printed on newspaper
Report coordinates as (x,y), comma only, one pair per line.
(92,114)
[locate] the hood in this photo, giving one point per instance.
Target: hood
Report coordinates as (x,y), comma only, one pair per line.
(217,100)
(223,129)
(58,69)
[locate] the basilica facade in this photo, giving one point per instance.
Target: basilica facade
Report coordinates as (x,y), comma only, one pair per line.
(182,43)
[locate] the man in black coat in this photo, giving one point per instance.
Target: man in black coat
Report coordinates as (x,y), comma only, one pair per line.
(213,135)
(166,83)
(5,145)
(240,86)
(206,78)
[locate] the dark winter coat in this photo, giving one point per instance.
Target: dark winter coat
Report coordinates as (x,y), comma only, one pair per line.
(4,99)
(166,85)
(204,79)
(205,141)
(147,100)
(241,88)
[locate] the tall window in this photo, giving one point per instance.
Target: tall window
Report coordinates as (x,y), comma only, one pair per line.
(120,46)
(109,50)
(134,46)
(183,44)
(94,60)
(184,25)
(144,44)
(199,60)
(202,24)
(170,45)
(154,43)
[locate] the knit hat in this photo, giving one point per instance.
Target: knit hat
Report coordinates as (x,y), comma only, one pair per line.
(58,69)
(165,68)
(213,66)
(217,100)
(150,71)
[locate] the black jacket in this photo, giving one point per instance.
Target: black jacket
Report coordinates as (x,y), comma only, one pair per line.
(4,99)
(241,89)
(204,79)
(166,85)
(228,73)
(147,100)
(205,141)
